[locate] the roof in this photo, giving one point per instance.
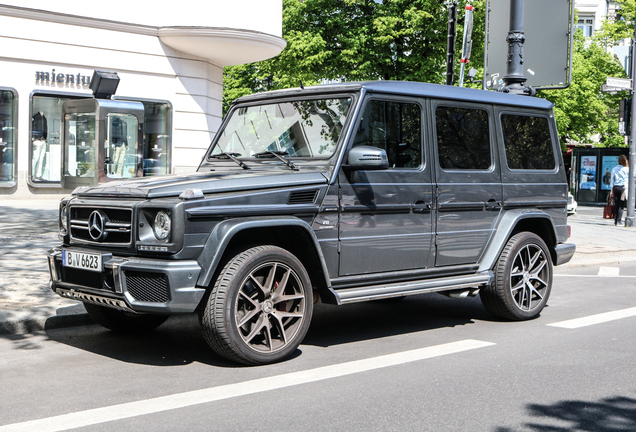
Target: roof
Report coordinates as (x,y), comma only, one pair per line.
(412,89)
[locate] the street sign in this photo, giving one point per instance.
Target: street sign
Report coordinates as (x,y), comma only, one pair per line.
(620,83)
(547,49)
(610,89)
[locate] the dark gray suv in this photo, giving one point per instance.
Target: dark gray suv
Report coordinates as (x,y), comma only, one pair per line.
(339,193)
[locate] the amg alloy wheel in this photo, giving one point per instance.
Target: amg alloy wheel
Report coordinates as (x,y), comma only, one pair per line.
(523,279)
(260,307)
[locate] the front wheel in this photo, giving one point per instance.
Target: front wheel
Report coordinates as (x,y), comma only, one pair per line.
(260,307)
(523,279)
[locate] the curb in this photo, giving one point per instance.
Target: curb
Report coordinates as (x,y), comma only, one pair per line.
(42,318)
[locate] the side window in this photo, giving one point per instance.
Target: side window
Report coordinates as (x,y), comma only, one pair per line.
(528,143)
(8,123)
(463,138)
(395,127)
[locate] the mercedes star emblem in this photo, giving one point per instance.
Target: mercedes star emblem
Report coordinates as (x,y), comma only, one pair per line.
(97,225)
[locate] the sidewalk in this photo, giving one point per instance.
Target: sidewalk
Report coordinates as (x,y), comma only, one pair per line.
(28,228)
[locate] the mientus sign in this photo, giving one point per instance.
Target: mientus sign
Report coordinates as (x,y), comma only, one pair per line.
(62,78)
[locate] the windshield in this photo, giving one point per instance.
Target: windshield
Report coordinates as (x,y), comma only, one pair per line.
(307,128)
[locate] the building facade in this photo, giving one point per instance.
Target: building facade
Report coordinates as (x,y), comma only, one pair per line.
(169,61)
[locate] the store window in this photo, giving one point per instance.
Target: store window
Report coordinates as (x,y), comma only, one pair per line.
(157,145)
(46,141)
(8,124)
(80,157)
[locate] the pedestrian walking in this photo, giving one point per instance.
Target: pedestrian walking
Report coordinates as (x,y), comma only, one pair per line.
(618,186)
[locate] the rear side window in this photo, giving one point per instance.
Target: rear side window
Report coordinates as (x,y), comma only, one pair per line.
(395,127)
(528,143)
(463,138)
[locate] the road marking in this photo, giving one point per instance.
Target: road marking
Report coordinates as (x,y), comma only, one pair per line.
(593,276)
(596,319)
(182,400)
(609,271)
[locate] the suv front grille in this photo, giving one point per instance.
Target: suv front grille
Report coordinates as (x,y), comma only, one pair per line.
(117,225)
(147,287)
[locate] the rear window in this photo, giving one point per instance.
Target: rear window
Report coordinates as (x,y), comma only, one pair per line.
(527,142)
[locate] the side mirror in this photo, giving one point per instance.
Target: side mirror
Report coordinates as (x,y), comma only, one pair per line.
(367,158)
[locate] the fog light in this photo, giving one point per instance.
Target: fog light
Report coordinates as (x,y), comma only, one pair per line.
(162,225)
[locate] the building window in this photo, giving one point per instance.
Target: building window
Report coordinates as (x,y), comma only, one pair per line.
(46,143)
(8,124)
(586,23)
(157,145)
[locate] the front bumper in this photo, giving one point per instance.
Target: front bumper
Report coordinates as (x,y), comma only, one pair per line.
(133,284)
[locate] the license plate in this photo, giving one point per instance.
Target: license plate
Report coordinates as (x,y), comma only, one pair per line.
(85,261)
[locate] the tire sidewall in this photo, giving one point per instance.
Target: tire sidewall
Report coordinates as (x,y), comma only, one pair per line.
(263,255)
(504,269)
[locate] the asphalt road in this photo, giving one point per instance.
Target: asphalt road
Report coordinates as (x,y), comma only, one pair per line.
(427,363)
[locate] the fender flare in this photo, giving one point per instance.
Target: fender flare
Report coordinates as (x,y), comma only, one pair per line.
(504,229)
(224,231)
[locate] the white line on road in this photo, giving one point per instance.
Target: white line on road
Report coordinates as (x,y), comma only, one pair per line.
(181,400)
(593,276)
(609,271)
(596,319)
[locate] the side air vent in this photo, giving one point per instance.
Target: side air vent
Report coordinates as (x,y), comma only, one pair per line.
(303,197)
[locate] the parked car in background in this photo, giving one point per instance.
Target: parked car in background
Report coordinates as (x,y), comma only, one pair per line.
(572,205)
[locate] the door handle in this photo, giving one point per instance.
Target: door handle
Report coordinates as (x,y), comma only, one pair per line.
(421,207)
(492,204)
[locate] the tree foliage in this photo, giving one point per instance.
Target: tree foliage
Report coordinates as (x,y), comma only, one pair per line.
(582,110)
(356,40)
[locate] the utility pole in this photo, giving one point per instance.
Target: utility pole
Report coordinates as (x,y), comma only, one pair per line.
(631,196)
(514,80)
(450,45)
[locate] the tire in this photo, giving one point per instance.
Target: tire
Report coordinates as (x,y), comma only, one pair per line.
(523,279)
(123,322)
(260,307)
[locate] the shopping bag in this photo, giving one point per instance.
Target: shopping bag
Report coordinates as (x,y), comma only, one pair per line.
(608,210)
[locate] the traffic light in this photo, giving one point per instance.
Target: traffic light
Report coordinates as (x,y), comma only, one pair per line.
(625,116)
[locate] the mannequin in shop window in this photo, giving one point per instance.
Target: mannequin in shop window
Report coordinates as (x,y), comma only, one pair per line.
(39,130)
(119,143)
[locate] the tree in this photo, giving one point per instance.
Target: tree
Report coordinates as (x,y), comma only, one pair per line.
(356,40)
(582,110)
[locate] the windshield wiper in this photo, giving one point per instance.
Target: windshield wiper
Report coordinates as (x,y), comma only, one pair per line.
(231,155)
(279,155)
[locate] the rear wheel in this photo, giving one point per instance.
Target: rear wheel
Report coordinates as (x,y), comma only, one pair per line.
(260,307)
(123,322)
(523,279)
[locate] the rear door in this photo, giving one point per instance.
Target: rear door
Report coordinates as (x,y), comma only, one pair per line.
(469,191)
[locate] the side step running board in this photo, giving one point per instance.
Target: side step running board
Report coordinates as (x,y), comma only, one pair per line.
(374,292)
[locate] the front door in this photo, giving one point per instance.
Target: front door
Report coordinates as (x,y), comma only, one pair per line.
(385,215)
(469,191)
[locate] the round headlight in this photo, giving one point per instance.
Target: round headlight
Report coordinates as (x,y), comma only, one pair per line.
(64,217)
(162,225)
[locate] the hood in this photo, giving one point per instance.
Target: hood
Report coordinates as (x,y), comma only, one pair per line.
(173,185)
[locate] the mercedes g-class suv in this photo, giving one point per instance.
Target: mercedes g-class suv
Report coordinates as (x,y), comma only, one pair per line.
(337,193)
